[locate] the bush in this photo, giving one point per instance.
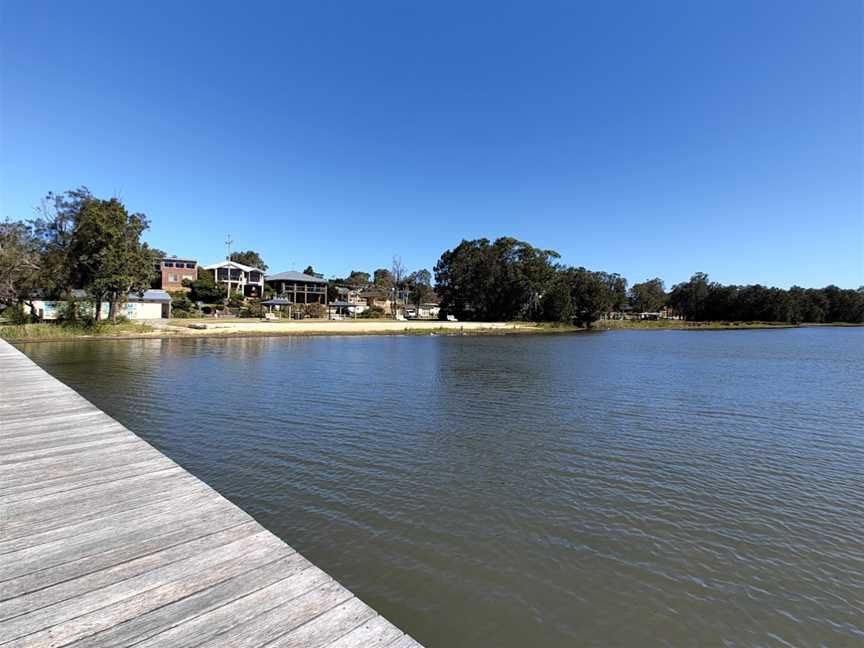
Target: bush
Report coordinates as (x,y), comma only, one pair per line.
(373,312)
(316,311)
(16,315)
(73,312)
(253,309)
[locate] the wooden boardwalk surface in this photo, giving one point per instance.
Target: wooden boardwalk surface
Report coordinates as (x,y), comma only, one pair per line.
(107,542)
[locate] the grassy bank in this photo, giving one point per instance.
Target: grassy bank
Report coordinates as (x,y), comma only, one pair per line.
(51,331)
(681,325)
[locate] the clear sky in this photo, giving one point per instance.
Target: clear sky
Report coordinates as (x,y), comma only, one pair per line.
(647,138)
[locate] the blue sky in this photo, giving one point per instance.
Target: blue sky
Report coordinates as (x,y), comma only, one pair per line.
(647,138)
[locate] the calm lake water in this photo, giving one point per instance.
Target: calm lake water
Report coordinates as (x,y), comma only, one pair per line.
(610,489)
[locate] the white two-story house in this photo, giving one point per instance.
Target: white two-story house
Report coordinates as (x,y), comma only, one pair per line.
(242,278)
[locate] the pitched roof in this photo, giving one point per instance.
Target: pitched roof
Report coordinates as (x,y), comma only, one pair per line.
(292,275)
(152,295)
(232,264)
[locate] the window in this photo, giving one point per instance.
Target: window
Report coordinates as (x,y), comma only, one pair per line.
(190,265)
(168,264)
(173,278)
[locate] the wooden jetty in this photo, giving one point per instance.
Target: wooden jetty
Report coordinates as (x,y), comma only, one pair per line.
(105,542)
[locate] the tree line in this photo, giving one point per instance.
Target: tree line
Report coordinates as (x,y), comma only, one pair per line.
(510,279)
(76,241)
(84,242)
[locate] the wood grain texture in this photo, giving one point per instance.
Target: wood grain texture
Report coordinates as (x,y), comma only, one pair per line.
(107,542)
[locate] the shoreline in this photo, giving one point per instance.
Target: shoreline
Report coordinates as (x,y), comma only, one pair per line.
(353,328)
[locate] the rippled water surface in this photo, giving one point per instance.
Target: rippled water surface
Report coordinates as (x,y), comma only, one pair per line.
(613,489)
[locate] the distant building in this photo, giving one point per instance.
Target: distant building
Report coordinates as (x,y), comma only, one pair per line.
(151,304)
(170,273)
(241,278)
(293,287)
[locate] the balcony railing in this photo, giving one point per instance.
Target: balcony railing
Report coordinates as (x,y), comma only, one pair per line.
(311,289)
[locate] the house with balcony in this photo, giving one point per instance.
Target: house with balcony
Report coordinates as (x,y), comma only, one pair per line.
(172,271)
(238,277)
(293,287)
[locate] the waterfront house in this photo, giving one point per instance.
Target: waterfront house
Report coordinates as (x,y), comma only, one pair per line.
(171,272)
(238,277)
(293,287)
(151,304)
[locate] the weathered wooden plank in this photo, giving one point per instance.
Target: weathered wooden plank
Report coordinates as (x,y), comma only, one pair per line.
(375,633)
(196,618)
(405,642)
(189,547)
(66,483)
(124,519)
(327,627)
(113,548)
(77,463)
(42,520)
(61,503)
(274,623)
(123,600)
(85,625)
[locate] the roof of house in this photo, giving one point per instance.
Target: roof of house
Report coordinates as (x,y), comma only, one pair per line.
(177,259)
(277,301)
(232,264)
(292,275)
(152,295)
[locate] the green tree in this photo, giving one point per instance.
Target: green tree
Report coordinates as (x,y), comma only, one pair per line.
(504,280)
(590,294)
(205,289)
(111,259)
(648,296)
(421,287)
(20,263)
(382,278)
(691,297)
(358,279)
(54,230)
(249,258)
(309,270)
(557,303)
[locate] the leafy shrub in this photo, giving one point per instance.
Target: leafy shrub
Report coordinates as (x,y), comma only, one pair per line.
(317,311)
(373,312)
(252,309)
(16,315)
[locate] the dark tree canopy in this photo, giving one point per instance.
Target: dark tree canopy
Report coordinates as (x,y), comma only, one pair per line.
(702,300)
(358,279)
(504,280)
(382,278)
(20,263)
(205,289)
(249,258)
(94,244)
(648,296)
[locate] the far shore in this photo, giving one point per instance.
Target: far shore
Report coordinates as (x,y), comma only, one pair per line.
(183,328)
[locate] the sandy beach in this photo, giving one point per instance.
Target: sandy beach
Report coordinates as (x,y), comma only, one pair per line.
(346,327)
